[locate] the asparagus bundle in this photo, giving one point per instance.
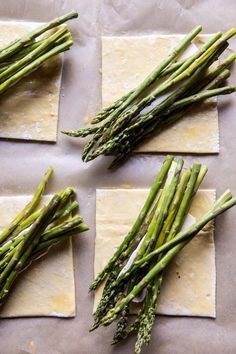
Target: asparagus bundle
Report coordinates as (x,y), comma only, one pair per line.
(25,55)
(34,230)
(136,268)
(119,128)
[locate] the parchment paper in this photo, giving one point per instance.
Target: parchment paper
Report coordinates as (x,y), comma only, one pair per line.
(22,164)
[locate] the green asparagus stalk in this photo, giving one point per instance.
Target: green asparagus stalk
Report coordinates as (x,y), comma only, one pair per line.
(108,110)
(64,227)
(148,316)
(80,132)
(174,207)
(7,257)
(29,207)
(203,95)
(58,237)
(185,203)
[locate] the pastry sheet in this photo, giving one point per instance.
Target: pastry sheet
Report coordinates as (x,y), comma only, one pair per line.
(126,62)
(47,287)
(189,283)
(29,109)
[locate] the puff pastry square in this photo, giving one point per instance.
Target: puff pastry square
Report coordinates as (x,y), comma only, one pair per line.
(47,287)
(189,284)
(29,109)
(126,61)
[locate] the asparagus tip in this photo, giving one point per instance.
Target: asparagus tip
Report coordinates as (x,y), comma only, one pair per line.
(94,326)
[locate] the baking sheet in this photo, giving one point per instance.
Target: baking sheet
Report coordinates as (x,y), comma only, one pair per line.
(23,163)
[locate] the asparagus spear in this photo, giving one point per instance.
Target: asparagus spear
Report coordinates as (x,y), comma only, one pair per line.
(29,207)
(174,207)
(58,237)
(108,110)
(148,316)
(185,203)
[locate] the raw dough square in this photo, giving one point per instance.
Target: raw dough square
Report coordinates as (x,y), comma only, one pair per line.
(189,285)
(29,110)
(126,61)
(47,287)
